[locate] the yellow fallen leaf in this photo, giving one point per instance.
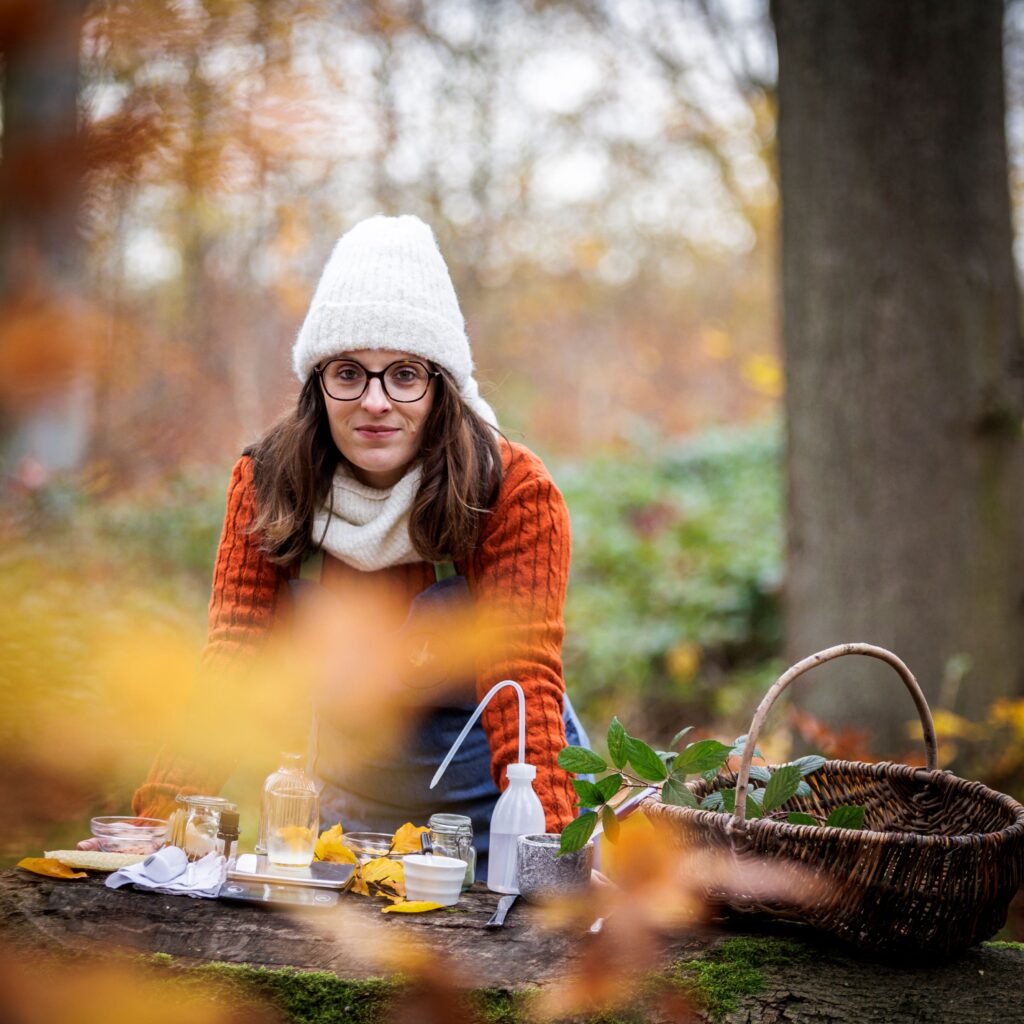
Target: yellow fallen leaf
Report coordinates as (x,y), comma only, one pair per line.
(407,838)
(411,907)
(380,877)
(49,867)
(384,871)
(330,847)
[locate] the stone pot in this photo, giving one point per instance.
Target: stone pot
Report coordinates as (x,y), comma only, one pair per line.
(543,875)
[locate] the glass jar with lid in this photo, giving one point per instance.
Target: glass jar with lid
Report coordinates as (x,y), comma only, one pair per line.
(289,815)
(452,836)
(194,824)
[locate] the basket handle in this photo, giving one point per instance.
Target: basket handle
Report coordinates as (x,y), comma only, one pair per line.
(927,725)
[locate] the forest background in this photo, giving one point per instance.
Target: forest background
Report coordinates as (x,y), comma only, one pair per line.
(603,181)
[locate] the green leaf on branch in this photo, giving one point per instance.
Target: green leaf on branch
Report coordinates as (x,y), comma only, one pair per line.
(799,818)
(701,756)
(611,824)
(810,763)
(589,794)
(782,786)
(675,792)
(846,817)
(617,743)
(581,761)
(645,760)
(609,786)
(679,735)
(576,834)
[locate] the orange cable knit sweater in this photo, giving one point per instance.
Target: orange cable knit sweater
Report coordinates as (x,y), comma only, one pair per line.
(520,561)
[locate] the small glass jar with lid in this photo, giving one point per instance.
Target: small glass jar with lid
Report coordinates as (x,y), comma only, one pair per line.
(452,836)
(194,824)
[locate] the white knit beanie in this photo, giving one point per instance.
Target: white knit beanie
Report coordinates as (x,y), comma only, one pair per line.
(386,286)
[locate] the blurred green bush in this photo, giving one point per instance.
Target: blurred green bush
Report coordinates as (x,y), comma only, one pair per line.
(674,596)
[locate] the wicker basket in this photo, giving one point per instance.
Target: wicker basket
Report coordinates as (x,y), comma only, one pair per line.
(932,873)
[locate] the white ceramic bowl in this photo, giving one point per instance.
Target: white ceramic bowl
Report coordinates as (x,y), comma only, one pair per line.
(433,878)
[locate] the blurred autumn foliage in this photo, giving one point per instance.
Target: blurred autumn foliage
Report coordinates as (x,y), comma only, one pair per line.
(175,172)
(600,178)
(600,185)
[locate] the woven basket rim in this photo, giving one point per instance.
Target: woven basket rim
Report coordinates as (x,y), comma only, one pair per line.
(720,821)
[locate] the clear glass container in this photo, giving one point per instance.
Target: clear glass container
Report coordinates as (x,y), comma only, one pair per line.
(194,825)
(289,815)
(451,835)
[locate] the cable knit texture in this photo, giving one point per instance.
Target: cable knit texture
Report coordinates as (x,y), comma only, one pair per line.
(519,570)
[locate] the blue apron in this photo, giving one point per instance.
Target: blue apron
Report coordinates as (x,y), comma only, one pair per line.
(385,792)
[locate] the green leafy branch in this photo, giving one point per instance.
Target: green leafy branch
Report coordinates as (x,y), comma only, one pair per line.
(635,765)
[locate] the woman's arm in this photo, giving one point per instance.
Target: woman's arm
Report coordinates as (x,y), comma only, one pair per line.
(243,603)
(519,575)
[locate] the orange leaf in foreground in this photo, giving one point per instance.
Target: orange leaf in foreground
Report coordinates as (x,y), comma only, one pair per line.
(49,867)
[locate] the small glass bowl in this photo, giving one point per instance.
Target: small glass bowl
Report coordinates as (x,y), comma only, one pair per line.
(369,845)
(125,834)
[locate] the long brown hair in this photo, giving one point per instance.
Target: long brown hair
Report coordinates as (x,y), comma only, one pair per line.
(294,465)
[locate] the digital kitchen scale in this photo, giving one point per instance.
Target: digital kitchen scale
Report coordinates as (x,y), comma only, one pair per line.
(254,879)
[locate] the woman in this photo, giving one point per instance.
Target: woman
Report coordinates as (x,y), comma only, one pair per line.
(392,466)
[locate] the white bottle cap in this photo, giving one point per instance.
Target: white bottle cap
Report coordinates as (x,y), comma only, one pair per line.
(521,771)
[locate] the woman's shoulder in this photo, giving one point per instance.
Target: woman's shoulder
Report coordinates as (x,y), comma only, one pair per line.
(241,497)
(521,466)
(242,485)
(529,511)
(524,474)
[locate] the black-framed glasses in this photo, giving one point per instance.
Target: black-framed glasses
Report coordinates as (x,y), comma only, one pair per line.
(404,380)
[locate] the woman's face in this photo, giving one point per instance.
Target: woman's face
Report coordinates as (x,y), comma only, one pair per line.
(379,437)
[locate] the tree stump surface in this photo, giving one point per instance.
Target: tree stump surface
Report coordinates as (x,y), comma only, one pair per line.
(812,980)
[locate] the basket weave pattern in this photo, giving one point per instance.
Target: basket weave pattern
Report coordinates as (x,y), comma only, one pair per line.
(932,873)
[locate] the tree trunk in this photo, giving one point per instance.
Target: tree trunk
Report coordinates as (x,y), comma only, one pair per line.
(903,355)
(42,160)
(44,403)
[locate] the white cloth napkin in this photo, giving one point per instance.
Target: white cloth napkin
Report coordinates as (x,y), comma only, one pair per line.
(201,879)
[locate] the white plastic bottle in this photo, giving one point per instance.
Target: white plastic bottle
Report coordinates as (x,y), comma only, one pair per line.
(518,812)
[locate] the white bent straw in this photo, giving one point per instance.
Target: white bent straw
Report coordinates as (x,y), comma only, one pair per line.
(472,721)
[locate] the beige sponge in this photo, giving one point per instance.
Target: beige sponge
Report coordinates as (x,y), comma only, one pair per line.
(95,860)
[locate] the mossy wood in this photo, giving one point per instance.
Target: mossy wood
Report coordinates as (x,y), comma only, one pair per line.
(319,975)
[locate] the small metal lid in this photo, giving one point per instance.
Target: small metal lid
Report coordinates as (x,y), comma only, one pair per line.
(450,824)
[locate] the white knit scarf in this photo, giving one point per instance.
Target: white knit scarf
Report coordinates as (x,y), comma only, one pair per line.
(365,527)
